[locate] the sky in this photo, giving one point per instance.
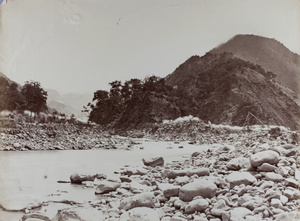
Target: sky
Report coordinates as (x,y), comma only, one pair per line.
(79,46)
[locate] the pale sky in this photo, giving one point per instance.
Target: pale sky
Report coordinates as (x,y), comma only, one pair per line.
(82,45)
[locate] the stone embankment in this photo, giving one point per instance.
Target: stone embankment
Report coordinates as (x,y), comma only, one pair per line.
(227,182)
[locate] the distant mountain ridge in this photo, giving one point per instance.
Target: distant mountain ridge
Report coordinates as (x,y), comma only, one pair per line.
(68,103)
(269,53)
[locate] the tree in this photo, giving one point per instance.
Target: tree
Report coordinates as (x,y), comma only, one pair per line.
(10,97)
(34,97)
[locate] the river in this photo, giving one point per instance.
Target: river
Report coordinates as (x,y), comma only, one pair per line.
(34,174)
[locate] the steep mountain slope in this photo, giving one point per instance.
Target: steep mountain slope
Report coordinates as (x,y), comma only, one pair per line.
(270,54)
(224,89)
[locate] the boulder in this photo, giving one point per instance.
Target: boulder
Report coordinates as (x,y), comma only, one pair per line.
(140,214)
(239,213)
(238,163)
(172,174)
(182,180)
(139,188)
(266,167)
(79,213)
(287,216)
(199,172)
(238,178)
(267,156)
(200,187)
(291,182)
(153,162)
(169,190)
(270,176)
(146,199)
(198,205)
(107,186)
(79,178)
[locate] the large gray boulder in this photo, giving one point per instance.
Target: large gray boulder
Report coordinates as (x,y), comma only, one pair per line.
(169,190)
(200,187)
(107,186)
(238,178)
(146,199)
(198,205)
(267,156)
(79,178)
(140,214)
(153,162)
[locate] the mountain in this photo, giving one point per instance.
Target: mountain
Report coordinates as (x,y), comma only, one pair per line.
(68,103)
(222,88)
(10,81)
(269,53)
(254,83)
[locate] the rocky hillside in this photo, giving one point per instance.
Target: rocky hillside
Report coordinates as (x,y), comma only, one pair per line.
(269,53)
(224,89)
(243,87)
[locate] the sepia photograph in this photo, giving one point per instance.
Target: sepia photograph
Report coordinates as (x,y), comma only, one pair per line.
(149,110)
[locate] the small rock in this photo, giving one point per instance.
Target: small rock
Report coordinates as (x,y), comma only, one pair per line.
(238,163)
(139,188)
(198,205)
(266,167)
(270,176)
(283,199)
(146,199)
(79,213)
(172,174)
(140,214)
(182,180)
(285,216)
(276,203)
(107,186)
(239,213)
(169,190)
(199,172)
(291,182)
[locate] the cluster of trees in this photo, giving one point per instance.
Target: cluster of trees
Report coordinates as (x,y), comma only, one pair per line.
(30,97)
(107,106)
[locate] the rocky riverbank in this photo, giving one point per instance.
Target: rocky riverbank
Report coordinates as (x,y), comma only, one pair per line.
(58,136)
(245,174)
(229,181)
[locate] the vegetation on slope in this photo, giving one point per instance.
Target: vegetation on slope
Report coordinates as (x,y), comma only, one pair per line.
(29,97)
(219,88)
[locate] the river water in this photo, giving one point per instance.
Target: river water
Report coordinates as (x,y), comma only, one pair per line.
(34,174)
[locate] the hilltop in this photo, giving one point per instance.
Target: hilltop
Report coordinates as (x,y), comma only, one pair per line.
(269,53)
